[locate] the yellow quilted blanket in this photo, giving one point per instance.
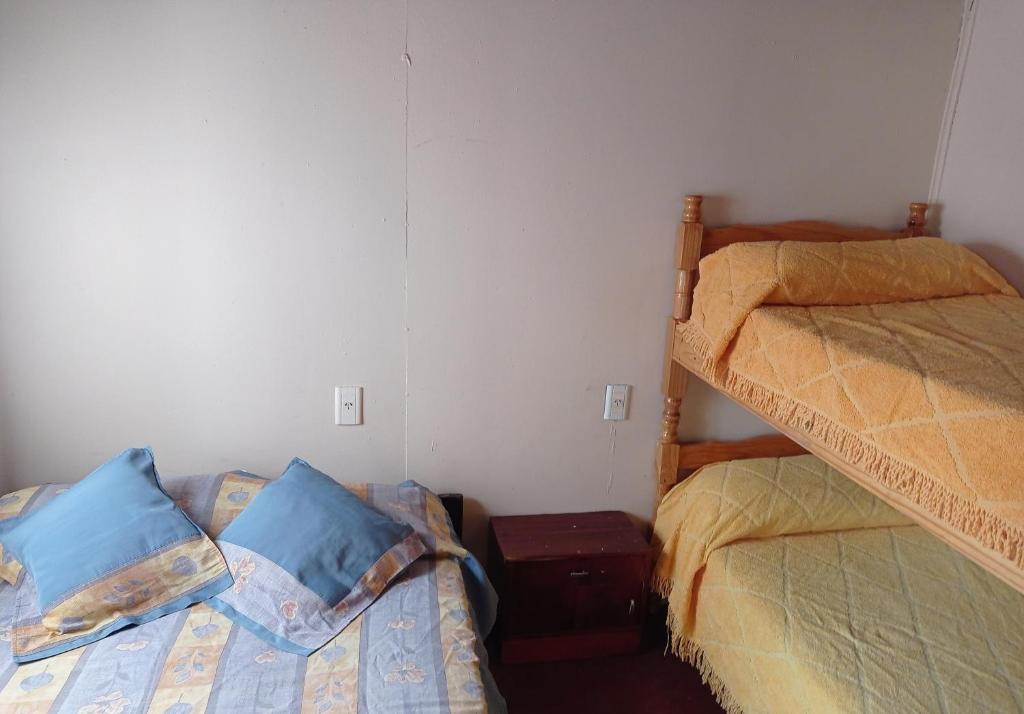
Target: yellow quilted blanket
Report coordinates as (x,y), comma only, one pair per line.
(793,590)
(926,396)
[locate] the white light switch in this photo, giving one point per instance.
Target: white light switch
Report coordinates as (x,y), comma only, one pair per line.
(616,402)
(348,406)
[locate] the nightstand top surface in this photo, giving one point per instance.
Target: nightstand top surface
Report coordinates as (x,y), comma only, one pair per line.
(561,535)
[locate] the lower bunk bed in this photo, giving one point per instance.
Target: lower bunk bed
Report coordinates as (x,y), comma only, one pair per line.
(793,589)
(418,647)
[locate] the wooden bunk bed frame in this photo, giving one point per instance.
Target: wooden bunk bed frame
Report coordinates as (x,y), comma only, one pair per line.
(676,459)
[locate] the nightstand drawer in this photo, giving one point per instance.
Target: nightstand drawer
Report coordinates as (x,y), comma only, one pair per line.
(550,596)
(591,571)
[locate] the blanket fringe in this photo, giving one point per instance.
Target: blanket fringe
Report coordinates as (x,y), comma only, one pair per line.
(949,508)
(661,585)
(691,653)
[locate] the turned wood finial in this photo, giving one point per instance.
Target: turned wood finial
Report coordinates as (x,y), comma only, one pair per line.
(691,213)
(917,219)
(688,239)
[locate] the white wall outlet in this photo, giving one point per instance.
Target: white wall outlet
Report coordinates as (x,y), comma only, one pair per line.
(348,406)
(616,402)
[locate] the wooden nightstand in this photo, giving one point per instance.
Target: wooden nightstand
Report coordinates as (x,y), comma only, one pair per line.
(570,585)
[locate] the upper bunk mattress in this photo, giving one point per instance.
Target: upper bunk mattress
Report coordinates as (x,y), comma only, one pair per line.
(924,399)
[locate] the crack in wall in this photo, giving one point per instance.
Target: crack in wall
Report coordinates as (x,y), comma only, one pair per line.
(611,459)
(407,61)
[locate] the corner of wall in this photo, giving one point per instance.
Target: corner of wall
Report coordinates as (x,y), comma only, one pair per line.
(970,10)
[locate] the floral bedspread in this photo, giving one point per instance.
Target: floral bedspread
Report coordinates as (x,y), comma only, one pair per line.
(417,648)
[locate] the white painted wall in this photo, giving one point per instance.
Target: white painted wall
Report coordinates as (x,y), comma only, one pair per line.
(980,171)
(202,221)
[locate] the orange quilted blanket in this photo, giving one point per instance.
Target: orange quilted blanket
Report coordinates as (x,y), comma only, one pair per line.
(924,395)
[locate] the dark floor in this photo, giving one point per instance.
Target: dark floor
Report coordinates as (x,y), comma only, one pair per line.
(649,682)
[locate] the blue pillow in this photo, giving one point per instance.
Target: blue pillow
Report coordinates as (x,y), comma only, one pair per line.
(111,551)
(308,556)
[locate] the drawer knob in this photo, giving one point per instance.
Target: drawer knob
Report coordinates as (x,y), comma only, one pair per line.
(579,573)
(632,606)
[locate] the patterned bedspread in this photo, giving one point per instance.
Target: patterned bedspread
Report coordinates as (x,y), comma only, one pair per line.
(416,649)
(794,590)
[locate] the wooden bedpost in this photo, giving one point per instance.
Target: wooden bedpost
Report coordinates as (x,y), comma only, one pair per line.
(673,385)
(917,219)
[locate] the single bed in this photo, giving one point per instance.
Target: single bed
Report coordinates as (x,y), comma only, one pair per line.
(917,396)
(792,589)
(417,648)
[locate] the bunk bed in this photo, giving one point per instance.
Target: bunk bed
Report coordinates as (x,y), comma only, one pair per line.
(895,358)
(801,569)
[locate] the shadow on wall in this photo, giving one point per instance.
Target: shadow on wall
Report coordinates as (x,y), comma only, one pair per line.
(474,527)
(715,210)
(1009,263)
(934,217)
(6,467)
